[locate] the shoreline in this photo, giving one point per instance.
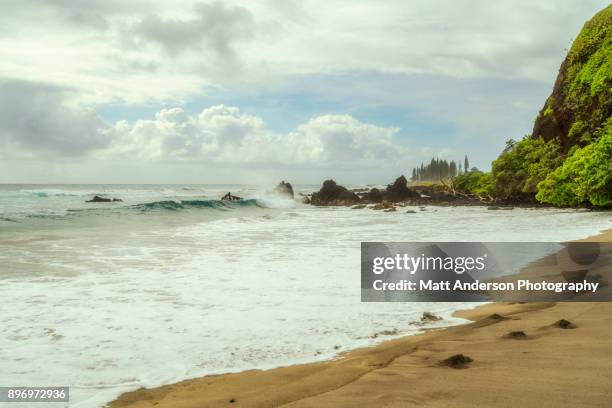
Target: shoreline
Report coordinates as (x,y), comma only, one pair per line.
(402,193)
(405,371)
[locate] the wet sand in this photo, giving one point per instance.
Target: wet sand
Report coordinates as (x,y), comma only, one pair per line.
(545,366)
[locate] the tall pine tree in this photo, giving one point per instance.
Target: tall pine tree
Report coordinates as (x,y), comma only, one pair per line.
(437,170)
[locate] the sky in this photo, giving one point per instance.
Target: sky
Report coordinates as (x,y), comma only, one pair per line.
(109,91)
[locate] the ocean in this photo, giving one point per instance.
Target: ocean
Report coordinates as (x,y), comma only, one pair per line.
(172,283)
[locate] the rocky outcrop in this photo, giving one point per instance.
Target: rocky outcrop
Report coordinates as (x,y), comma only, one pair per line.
(284,189)
(334,194)
(399,191)
(581,100)
(98,199)
(230,197)
(429,317)
(374,196)
(394,193)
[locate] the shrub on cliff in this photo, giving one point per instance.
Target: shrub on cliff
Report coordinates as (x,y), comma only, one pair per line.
(475,182)
(522,165)
(585,177)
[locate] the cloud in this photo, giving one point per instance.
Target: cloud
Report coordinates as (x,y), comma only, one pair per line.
(345,141)
(195,45)
(213,26)
(37,117)
(41,120)
(450,73)
(224,134)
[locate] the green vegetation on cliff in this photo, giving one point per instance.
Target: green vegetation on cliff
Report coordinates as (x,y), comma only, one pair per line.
(581,100)
(585,176)
(567,160)
(475,182)
(522,165)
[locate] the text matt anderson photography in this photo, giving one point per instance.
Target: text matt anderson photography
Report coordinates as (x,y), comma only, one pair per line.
(305,203)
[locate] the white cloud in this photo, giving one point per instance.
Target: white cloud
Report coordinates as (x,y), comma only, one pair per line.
(140,51)
(344,140)
(223,134)
(61,59)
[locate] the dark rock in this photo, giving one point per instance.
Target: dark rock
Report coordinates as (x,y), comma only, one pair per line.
(373,196)
(456,361)
(285,189)
(230,197)
(348,197)
(305,200)
(430,317)
(411,212)
(564,324)
(98,199)
(333,194)
(493,207)
(517,335)
(399,191)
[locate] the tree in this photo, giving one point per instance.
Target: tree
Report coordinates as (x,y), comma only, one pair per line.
(522,165)
(466,163)
(436,170)
(584,177)
(474,182)
(453,168)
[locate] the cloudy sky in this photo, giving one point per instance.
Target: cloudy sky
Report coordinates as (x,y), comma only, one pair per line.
(110,91)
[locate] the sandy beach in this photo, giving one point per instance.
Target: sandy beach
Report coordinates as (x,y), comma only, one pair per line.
(545,366)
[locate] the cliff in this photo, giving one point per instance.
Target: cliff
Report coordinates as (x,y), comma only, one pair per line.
(567,160)
(581,100)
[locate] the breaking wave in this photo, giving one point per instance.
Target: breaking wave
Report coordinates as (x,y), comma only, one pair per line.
(171,205)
